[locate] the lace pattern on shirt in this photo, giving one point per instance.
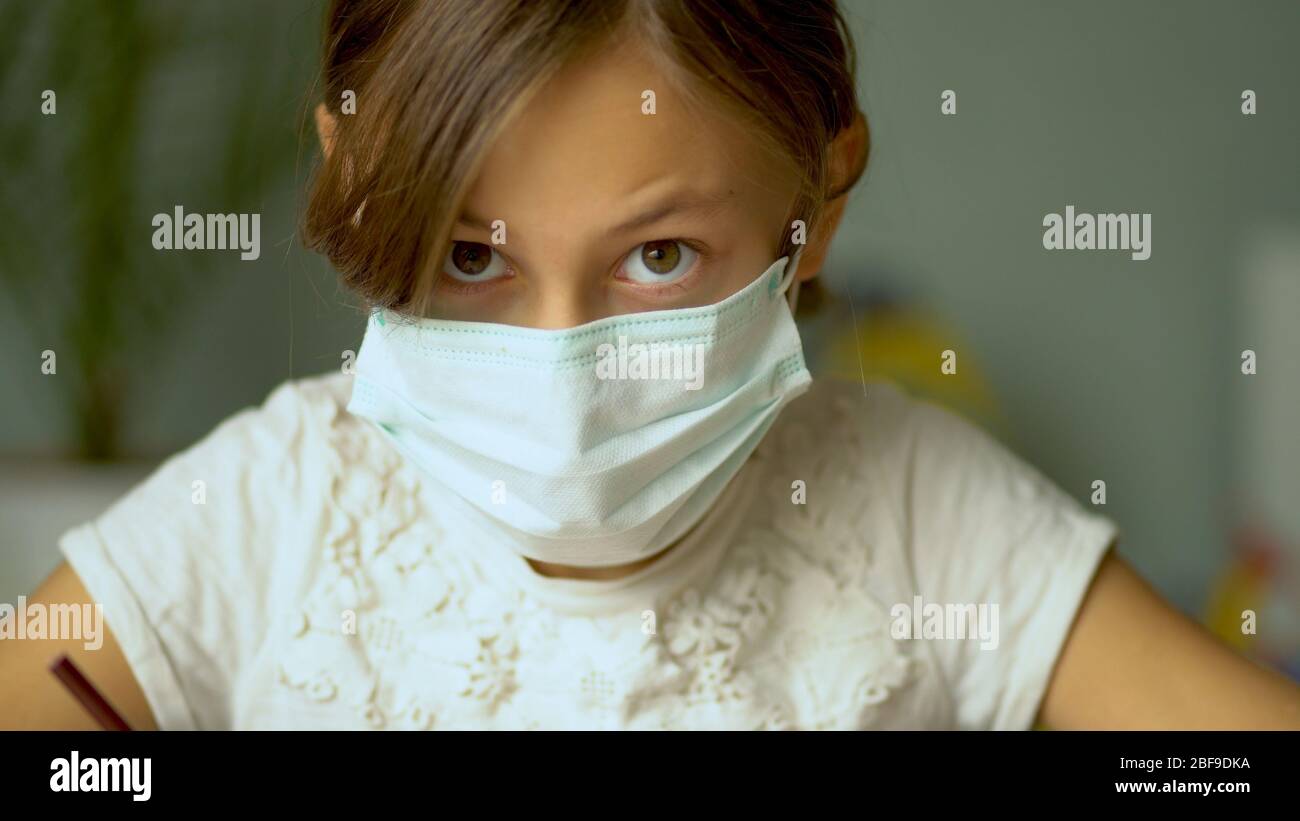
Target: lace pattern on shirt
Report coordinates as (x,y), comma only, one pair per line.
(782,636)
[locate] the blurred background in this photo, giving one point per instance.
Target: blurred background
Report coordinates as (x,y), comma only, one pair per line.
(1090,366)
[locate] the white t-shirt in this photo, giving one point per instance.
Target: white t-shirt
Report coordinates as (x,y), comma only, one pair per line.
(316,580)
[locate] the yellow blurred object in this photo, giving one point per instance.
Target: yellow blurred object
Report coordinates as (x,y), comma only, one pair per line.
(1239,590)
(907,347)
(1244,586)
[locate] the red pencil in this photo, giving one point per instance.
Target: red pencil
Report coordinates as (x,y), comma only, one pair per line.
(85,692)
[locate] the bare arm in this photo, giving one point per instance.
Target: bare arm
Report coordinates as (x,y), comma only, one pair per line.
(33,699)
(1132,661)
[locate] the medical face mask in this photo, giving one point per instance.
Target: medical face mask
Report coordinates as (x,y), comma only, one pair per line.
(591,446)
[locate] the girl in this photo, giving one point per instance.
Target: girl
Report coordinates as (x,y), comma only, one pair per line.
(579,476)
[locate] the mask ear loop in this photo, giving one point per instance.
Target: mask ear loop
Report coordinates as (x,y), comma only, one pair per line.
(789,283)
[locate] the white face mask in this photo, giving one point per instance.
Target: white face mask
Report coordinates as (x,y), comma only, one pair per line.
(591,446)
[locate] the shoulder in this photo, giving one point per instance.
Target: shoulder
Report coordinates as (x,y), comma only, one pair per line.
(300,420)
(218,522)
(918,507)
(840,421)
(258,456)
(853,445)
(942,478)
(188,562)
(224,505)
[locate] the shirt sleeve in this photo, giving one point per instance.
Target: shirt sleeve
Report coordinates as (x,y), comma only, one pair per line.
(986,528)
(183,563)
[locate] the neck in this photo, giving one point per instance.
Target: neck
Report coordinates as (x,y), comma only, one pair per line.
(618,571)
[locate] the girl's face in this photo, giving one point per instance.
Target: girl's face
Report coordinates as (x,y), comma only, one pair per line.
(607,210)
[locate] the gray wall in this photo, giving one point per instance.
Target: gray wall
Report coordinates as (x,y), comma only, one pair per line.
(1107,367)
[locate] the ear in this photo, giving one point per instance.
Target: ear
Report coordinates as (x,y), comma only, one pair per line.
(848,159)
(325,124)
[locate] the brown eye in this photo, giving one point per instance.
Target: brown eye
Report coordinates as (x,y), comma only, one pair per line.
(473,262)
(662,260)
(660,256)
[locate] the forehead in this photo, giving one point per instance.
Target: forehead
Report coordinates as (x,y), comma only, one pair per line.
(583,144)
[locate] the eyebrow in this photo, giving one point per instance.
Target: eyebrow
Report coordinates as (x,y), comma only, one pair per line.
(691,202)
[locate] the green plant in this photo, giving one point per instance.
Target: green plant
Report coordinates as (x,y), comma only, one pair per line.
(79,186)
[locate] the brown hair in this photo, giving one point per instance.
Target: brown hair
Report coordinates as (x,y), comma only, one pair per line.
(437,79)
